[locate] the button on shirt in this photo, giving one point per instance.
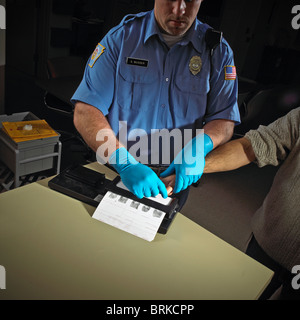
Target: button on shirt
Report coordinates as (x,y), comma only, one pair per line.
(142,86)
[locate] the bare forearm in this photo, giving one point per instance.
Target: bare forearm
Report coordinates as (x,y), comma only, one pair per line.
(220,131)
(94,128)
(230,156)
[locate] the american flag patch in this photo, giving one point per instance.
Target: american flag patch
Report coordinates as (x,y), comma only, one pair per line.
(230,73)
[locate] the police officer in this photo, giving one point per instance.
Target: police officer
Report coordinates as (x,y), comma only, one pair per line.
(154,71)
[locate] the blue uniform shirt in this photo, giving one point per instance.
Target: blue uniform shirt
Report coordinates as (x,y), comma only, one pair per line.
(134,77)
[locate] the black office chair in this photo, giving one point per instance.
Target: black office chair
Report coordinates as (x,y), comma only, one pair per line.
(266,105)
(64,76)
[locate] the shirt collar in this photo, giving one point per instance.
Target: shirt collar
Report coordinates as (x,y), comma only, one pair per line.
(152,28)
(194,35)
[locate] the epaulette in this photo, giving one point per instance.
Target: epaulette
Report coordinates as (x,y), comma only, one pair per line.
(213,38)
(127,19)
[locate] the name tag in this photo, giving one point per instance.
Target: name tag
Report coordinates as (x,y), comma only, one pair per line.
(137,62)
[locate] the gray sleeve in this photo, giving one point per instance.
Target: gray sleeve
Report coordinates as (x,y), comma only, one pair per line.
(272,143)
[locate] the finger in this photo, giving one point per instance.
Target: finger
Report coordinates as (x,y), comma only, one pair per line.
(186,183)
(169,181)
(154,191)
(169,190)
(162,189)
(197,178)
(178,183)
(147,193)
(138,194)
(168,172)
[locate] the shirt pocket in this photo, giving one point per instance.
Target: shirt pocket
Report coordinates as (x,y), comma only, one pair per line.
(135,88)
(190,97)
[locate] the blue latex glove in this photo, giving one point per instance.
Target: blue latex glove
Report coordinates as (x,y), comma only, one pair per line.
(138,178)
(189,164)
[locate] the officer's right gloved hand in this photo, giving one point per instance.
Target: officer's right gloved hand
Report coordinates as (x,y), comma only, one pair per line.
(138,178)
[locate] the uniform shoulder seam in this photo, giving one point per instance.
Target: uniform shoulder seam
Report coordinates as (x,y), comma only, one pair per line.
(126,20)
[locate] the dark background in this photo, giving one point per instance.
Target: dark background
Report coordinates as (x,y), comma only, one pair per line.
(266,47)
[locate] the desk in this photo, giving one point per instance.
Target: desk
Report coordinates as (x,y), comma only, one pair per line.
(51,248)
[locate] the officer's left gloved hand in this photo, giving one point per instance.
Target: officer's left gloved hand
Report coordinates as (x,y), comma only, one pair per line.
(189,164)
